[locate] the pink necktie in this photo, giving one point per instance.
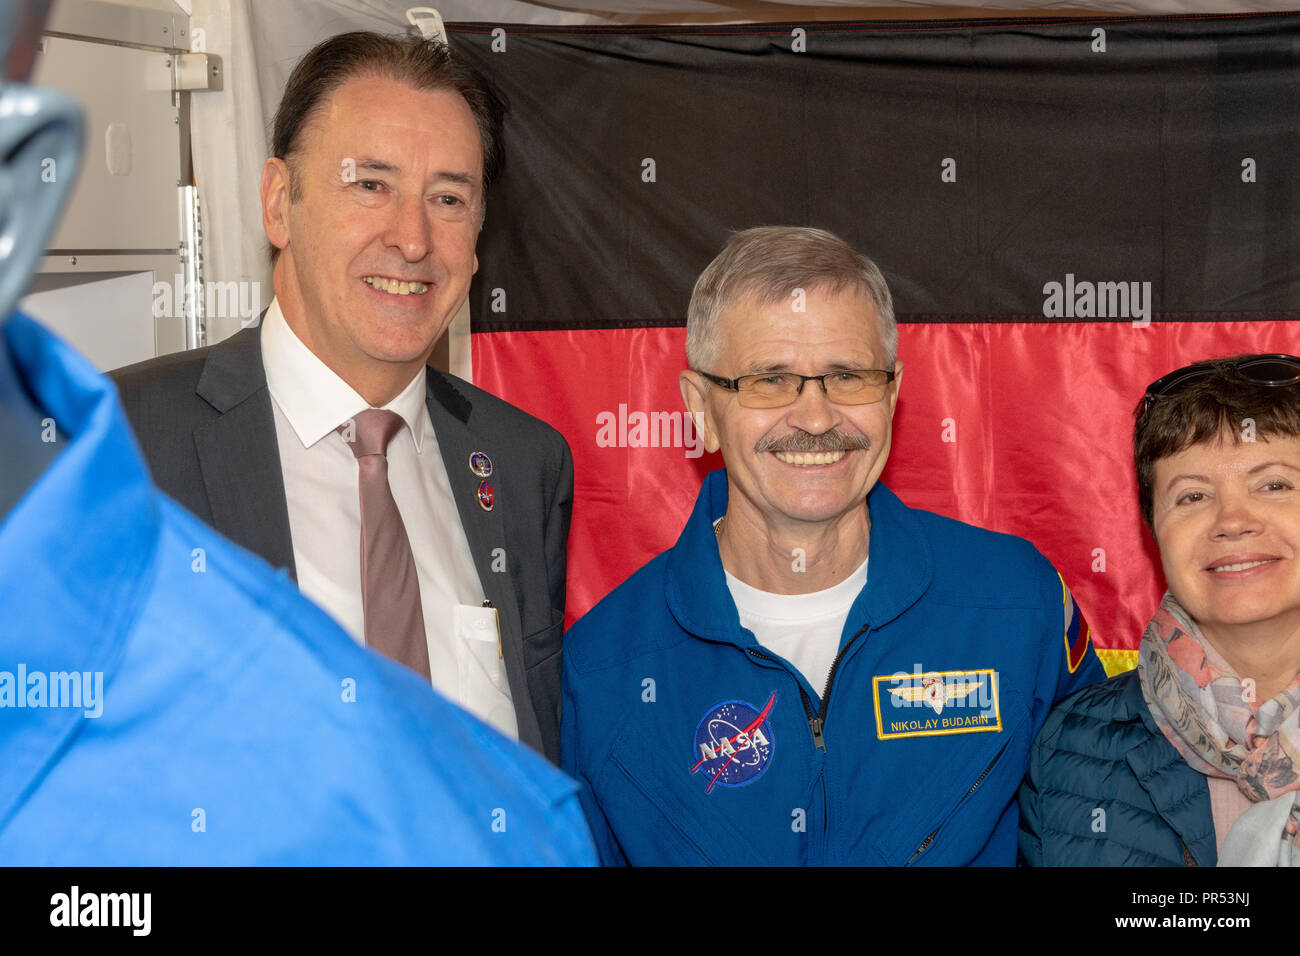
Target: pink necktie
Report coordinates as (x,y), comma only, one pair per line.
(390,589)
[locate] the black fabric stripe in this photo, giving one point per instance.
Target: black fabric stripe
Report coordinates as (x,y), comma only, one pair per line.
(561,325)
(471,27)
(1123,166)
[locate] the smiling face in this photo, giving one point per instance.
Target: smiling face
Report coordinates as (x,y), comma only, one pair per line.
(811,461)
(391,191)
(1227,520)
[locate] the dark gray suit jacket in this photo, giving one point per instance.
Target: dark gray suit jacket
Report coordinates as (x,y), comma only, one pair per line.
(205,422)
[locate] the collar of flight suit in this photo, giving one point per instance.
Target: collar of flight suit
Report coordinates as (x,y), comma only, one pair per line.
(902,567)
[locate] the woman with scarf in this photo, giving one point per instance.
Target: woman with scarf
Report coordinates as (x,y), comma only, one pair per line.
(1194,758)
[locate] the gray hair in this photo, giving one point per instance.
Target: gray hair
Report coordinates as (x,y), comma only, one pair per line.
(767,264)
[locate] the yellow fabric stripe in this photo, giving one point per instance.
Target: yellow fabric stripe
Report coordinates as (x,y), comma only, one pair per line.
(1116,661)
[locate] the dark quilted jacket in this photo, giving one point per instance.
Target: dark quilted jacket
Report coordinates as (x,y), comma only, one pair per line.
(1100,750)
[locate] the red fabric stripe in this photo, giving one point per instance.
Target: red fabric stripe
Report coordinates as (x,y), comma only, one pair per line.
(1080,644)
(1041,414)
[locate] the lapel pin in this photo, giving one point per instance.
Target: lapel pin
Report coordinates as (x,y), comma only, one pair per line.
(480,464)
(485,496)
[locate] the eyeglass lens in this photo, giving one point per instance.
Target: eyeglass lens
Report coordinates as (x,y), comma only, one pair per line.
(1270,370)
(842,388)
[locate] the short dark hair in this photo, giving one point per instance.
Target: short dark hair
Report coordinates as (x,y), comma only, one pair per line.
(405,58)
(1215,405)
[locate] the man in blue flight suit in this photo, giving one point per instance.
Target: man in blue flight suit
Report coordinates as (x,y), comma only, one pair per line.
(757,694)
(165,698)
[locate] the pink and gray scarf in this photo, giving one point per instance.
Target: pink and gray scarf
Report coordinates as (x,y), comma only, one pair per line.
(1209,715)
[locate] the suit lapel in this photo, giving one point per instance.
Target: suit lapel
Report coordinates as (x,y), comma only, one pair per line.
(238,455)
(450,412)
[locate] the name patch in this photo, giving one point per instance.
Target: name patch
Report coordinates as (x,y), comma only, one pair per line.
(935,703)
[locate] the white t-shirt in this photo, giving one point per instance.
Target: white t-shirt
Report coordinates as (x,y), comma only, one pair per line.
(805,629)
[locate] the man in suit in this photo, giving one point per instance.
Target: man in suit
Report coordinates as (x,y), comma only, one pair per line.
(427,516)
(160,716)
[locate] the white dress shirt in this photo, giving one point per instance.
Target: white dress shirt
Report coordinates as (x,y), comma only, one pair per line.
(321,485)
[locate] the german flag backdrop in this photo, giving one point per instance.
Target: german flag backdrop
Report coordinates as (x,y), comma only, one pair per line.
(1064,209)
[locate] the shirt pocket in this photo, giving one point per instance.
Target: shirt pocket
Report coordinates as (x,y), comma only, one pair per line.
(481,670)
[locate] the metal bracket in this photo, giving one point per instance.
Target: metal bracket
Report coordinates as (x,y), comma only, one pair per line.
(196,71)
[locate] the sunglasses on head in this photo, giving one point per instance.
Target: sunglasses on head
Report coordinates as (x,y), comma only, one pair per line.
(1273,369)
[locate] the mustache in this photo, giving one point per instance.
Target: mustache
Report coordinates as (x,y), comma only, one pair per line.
(802,441)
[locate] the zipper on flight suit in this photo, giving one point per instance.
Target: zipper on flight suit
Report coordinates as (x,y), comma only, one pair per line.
(817,722)
(925,844)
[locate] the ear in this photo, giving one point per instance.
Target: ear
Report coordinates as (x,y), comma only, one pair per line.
(695,396)
(275,202)
(898,384)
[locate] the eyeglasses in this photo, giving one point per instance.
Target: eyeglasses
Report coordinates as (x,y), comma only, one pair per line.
(860,386)
(1272,369)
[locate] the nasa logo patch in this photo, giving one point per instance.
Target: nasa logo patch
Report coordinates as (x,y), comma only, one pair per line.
(734,743)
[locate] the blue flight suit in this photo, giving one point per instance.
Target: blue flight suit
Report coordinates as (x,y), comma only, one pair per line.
(235,722)
(695,744)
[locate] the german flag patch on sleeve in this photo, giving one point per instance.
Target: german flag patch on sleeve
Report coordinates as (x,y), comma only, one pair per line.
(1077,632)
